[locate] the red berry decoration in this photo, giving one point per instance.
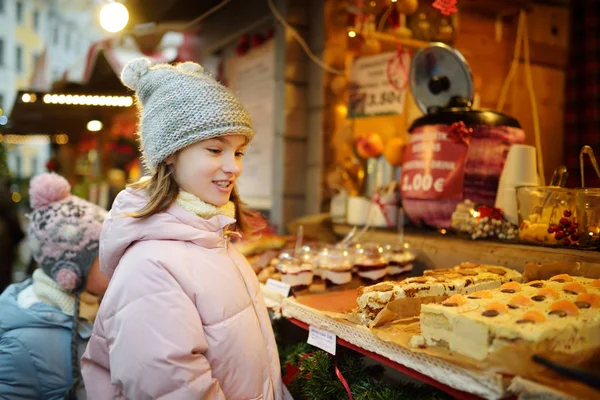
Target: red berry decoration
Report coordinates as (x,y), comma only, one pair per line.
(565,230)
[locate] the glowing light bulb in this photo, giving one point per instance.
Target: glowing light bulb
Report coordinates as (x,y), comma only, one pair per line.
(114,17)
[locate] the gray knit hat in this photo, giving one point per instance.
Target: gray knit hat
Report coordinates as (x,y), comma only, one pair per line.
(180,105)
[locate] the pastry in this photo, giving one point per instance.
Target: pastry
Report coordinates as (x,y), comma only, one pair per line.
(464,279)
(258,245)
(561,314)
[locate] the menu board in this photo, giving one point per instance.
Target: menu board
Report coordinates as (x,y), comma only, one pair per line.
(378,84)
(252,78)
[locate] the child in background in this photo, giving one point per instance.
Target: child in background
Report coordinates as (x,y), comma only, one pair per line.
(46,321)
(183,317)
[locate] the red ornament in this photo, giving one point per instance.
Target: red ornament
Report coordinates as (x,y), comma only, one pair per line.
(446,7)
(489,212)
(51,165)
(243,45)
(256,40)
(460,133)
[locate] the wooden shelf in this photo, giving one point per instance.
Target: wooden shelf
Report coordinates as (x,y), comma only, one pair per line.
(388,37)
(444,251)
(494,7)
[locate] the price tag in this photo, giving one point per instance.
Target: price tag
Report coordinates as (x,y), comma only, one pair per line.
(377,85)
(279,287)
(322,339)
(434,166)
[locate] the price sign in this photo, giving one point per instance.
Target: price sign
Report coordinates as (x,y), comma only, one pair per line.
(279,287)
(378,85)
(434,166)
(322,339)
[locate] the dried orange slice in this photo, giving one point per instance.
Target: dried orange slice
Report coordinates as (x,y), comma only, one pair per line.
(562,278)
(519,301)
(454,301)
(482,294)
(574,288)
(533,316)
(548,292)
(562,308)
(587,300)
(510,287)
(495,309)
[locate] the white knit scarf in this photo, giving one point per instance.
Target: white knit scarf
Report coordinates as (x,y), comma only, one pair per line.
(193,204)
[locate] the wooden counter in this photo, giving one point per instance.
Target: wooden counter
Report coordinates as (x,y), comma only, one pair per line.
(436,250)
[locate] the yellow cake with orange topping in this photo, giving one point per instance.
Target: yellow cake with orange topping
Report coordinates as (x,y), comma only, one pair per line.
(561,314)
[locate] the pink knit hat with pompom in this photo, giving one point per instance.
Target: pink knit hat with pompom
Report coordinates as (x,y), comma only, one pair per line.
(64,231)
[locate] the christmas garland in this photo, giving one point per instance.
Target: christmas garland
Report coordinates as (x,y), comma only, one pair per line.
(310,374)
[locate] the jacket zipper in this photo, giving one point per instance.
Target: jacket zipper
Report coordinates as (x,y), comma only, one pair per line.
(237,268)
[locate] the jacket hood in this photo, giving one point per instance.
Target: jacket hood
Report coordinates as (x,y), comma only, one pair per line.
(40,315)
(121,231)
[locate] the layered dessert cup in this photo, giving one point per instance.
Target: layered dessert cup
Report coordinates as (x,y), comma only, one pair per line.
(335,266)
(296,273)
(370,264)
(400,261)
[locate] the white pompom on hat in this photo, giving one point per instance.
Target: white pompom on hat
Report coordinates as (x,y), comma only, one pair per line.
(180,105)
(134,71)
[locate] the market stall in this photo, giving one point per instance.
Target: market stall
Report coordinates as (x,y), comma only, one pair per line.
(460,258)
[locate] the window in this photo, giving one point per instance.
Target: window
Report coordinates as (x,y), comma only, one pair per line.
(20,12)
(1,97)
(19,60)
(67,40)
(1,6)
(36,20)
(1,52)
(55,35)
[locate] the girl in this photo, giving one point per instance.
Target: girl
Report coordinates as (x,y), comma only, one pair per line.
(46,321)
(183,317)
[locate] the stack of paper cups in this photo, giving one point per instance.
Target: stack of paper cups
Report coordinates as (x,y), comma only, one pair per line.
(519,170)
(358,210)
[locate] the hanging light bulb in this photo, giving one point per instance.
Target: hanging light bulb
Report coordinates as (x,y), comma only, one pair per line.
(113,17)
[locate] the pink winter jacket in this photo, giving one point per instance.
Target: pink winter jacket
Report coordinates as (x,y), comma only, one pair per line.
(183,316)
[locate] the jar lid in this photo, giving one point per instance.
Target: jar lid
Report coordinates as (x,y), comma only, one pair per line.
(439,73)
(448,116)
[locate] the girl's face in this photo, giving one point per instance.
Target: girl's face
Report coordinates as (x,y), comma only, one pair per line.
(208,169)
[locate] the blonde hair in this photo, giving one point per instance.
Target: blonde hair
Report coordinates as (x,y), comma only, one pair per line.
(163,190)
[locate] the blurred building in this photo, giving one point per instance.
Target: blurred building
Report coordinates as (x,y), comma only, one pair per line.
(41,38)
(39,41)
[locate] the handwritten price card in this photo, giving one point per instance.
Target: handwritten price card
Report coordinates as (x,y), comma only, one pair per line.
(378,85)
(434,166)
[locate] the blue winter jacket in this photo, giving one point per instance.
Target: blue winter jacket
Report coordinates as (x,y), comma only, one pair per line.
(35,349)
